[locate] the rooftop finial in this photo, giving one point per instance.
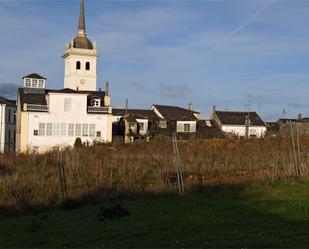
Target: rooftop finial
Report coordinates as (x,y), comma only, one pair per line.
(81,23)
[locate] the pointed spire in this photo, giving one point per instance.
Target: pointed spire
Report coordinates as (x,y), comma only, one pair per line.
(81,23)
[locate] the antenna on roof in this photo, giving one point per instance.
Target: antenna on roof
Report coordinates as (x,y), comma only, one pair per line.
(127,101)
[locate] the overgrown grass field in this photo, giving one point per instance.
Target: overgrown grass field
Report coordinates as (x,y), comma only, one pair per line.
(237,194)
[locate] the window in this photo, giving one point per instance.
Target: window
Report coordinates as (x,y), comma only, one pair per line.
(67,105)
(71,130)
(96,102)
(87,66)
(56,130)
(28,83)
(85,130)
(78,65)
(41,83)
(141,126)
(35,132)
(92,130)
(41,129)
(162,124)
(63,130)
(14,117)
(187,127)
(9,137)
(34,83)
(98,134)
(78,128)
(49,129)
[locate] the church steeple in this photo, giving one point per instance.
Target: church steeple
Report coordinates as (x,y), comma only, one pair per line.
(80,70)
(81,22)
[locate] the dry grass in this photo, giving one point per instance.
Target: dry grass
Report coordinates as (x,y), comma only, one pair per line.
(111,170)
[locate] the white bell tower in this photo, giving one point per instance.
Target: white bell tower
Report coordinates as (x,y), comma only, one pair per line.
(80,59)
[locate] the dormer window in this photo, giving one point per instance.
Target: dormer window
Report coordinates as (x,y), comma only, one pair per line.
(34,81)
(27,82)
(41,83)
(96,102)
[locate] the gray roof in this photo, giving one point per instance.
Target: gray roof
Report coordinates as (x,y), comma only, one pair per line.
(239,118)
(136,113)
(7,101)
(34,76)
(176,113)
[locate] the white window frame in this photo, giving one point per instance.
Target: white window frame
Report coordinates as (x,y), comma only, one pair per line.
(78,130)
(63,130)
(42,130)
(85,131)
(67,105)
(71,130)
(34,83)
(41,83)
(92,130)
(49,129)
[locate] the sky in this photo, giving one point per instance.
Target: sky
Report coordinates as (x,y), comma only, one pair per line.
(210,52)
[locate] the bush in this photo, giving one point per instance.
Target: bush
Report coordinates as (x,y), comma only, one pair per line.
(78,143)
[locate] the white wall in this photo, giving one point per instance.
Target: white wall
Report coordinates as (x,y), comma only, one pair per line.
(181,126)
(73,77)
(145,122)
(56,114)
(258,131)
(7,128)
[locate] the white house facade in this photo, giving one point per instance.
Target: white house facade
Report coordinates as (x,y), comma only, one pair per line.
(239,123)
(7,125)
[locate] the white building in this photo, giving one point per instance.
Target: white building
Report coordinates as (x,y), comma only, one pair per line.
(49,118)
(234,123)
(7,125)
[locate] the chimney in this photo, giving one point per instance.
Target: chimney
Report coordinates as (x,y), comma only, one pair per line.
(300,116)
(100,89)
(190,106)
(77,88)
(106,88)
(213,108)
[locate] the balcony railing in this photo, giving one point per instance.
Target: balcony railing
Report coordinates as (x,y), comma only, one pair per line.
(40,108)
(98,109)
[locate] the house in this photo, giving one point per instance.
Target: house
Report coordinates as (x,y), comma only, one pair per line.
(7,125)
(133,124)
(300,123)
(240,123)
(49,118)
(176,120)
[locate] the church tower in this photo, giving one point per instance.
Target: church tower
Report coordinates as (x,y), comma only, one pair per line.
(80,59)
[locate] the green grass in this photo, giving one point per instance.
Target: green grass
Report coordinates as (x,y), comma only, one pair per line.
(253,217)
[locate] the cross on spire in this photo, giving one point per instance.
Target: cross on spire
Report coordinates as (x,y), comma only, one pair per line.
(81,23)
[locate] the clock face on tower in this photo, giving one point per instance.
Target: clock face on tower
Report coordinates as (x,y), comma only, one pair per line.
(82,81)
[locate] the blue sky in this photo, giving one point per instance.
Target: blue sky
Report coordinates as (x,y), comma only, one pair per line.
(170,52)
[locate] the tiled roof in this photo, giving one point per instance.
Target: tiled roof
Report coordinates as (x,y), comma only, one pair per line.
(176,113)
(239,118)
